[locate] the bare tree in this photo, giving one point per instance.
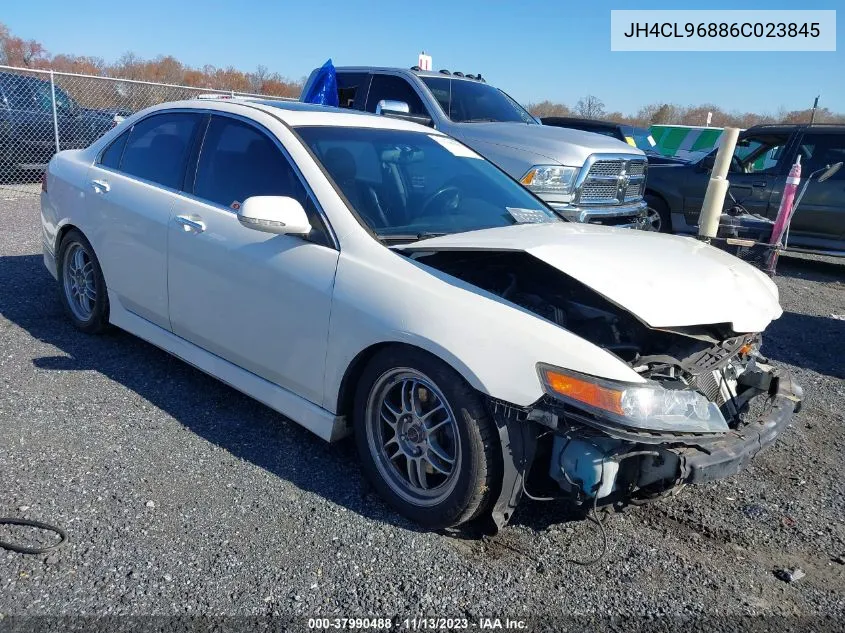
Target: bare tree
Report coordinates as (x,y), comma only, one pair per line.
(590,107)
(547,108)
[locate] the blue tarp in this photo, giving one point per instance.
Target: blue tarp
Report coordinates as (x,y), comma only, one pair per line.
(323,90)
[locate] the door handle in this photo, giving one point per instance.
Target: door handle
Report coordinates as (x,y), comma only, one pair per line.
(191,223)
(759,183)
(101,186)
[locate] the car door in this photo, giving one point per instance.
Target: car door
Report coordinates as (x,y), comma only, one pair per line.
(259,300)
(820,218)
(134,184)
(757,175)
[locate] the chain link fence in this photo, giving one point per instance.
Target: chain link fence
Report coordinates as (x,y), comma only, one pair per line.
(42,112)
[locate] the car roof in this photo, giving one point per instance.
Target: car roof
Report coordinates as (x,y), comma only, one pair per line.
(408,71)
(775,128)
(296,114)
(19,77)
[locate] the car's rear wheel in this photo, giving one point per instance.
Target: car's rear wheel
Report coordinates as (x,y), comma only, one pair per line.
(83,288)
(425,438)
(657,215)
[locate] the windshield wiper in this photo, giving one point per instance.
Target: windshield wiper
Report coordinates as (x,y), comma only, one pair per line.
(486,119)
(409,237)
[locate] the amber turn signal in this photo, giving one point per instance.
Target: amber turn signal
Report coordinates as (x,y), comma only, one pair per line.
(584,391)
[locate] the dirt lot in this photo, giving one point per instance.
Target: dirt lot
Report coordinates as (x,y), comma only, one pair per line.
(181,496)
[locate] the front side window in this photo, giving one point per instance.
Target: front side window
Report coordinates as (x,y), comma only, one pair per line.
(158,148)
(818,151)
(759,154)
(403,185)
(394,88)
(468,101)
(238,161)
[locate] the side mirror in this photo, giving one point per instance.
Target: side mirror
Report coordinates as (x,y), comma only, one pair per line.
(394,107)
(401,110)
(274,214)
(831,169)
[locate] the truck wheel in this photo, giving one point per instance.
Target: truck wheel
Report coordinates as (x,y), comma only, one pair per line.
(83,288)
(657,215)
(425,438)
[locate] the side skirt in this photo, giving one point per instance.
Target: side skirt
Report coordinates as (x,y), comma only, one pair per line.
(314,418)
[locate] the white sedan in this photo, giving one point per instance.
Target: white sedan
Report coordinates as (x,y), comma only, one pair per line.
(363,274)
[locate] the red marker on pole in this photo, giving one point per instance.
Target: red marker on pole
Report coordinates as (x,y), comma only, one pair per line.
(785,211)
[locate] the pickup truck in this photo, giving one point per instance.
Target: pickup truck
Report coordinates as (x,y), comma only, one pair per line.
(760,165)
(585,177)
(27,131)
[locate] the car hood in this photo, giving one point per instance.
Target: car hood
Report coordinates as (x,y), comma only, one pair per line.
(664,280)
(561,145)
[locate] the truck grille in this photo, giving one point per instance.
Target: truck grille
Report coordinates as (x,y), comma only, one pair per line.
(613,181)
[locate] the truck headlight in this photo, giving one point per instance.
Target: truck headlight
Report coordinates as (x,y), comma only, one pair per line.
(551,179)
(645,406)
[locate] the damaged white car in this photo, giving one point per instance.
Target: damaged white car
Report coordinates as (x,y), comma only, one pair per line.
(367,275)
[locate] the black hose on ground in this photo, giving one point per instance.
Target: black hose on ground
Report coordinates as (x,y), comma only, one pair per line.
(13,547)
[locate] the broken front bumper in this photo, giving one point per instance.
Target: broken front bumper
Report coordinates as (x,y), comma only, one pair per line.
(635,461)
(731,453)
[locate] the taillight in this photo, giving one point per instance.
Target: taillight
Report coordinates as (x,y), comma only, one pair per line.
(44,182)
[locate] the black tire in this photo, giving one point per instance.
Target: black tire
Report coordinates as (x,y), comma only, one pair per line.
(658,212)
(98,320)
(477,471)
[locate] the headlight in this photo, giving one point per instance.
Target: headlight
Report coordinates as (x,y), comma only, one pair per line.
(645,406)
(551,179)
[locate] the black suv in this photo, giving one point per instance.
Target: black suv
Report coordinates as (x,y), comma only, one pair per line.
(761,162)
(27,133)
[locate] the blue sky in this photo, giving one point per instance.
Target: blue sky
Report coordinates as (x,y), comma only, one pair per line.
(533,50)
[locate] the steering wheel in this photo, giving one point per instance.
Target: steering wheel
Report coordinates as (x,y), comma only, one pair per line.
(736,166)
(449,197)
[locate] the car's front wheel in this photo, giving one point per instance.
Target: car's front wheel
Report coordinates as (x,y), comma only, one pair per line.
(425,438)
(658,217)
(83,288)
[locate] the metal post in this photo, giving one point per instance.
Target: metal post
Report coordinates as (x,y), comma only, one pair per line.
(717,187)
(55,116)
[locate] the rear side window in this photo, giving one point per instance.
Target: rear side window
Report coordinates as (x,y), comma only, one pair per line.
(394,88)
(238,161)
(350,87)
(111,157)
(158,147)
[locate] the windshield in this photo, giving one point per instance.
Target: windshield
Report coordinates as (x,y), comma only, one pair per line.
(467,101)
(410,185)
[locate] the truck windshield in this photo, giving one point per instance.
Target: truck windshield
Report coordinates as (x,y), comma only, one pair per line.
(409,185)
(468,101)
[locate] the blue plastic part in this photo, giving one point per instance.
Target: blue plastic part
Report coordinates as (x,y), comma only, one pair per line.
(323,90)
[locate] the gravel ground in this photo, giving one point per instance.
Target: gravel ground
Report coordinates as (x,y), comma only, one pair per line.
(181,496)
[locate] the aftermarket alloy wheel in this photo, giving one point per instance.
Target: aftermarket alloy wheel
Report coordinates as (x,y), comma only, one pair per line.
(83,288)
(425,438)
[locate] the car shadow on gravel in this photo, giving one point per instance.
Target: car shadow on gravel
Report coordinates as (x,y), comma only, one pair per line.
(807,341)
(821,270)
(240,425)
